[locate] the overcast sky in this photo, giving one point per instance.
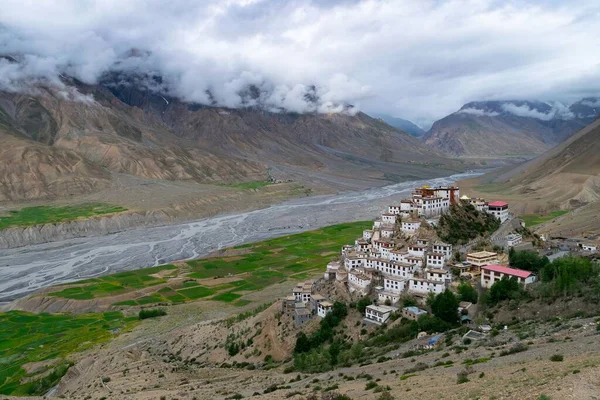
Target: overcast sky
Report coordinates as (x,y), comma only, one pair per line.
(417,59)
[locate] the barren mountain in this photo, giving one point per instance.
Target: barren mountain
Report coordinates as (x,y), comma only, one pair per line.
(509,128)
(63,143)
(565,177)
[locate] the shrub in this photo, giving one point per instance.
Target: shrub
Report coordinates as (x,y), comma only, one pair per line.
(370,385)
(152,313)
(105,379)
(517,348)
(557,357)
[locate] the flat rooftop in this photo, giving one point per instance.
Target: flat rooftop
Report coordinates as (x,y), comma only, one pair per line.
(482,254)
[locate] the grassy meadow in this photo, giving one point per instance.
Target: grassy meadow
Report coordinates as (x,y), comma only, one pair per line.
(30,216)
(254,267)
(249,185)
(34,348)
(536,219)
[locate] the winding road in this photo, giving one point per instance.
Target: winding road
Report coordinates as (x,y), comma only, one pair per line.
(24,270)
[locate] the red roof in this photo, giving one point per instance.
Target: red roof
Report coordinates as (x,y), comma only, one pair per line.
(508,271)
(498,204)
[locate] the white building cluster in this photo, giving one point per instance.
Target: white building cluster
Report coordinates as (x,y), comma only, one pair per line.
(305,303)
(426,201)
(397,256)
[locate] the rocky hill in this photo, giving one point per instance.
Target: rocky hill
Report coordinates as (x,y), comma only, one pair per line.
(65,143)
(500,129)
(565,177)
(569,173)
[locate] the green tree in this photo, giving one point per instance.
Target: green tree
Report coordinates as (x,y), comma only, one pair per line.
(362,304)
(565,275)
(445,307)
(504,289)
(527,260)
(466,292)
(302,343)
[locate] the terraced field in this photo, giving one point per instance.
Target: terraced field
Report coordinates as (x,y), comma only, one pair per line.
(227,279)
(34,348)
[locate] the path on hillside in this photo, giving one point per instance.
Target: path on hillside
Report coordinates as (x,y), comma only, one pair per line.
(24,270)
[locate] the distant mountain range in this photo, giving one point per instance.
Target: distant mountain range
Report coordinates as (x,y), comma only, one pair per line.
(402,124)
(64,143)
(509,128)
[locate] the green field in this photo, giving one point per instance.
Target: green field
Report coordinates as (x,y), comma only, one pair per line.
(294,257)
(29,216)
(48,340)
(536,219)
(249,185)
(112,285)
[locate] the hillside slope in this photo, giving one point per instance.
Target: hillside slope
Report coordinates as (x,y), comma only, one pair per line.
(58,145)
(508,128)
(568,172)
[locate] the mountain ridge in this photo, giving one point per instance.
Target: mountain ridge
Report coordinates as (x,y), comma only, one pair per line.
(509,128)
(57,147)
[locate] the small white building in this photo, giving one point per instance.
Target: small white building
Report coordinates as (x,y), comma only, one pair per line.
(436,260)
(439,275)
(425,286)
(331,270)
(397,255)
(513,239)
(387,232)
(378,314)
(394,210)
(324,308)
(410,226)
(359,282)
(499,209)
(367,234)
(394,285)
(444,248)
(388,219)
(490,274)
(354,261)
(415,261)
(383,296)
(417,250)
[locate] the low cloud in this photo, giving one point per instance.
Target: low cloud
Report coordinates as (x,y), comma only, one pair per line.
(558,111)
(591,103)
(478,112)
(310,55)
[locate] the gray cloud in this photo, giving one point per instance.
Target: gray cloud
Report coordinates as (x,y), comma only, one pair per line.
(558,111)
(417,59)
(478,112)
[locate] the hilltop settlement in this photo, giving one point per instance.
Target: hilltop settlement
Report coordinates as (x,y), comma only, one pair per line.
(404,256)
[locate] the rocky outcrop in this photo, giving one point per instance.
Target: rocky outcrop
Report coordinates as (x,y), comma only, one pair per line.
(18,237)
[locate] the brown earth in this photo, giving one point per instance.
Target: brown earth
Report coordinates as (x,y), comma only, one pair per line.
(566,177)
(150,362)
(56,148)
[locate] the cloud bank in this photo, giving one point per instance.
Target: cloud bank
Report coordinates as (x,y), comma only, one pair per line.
(417,59)
(557,111)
